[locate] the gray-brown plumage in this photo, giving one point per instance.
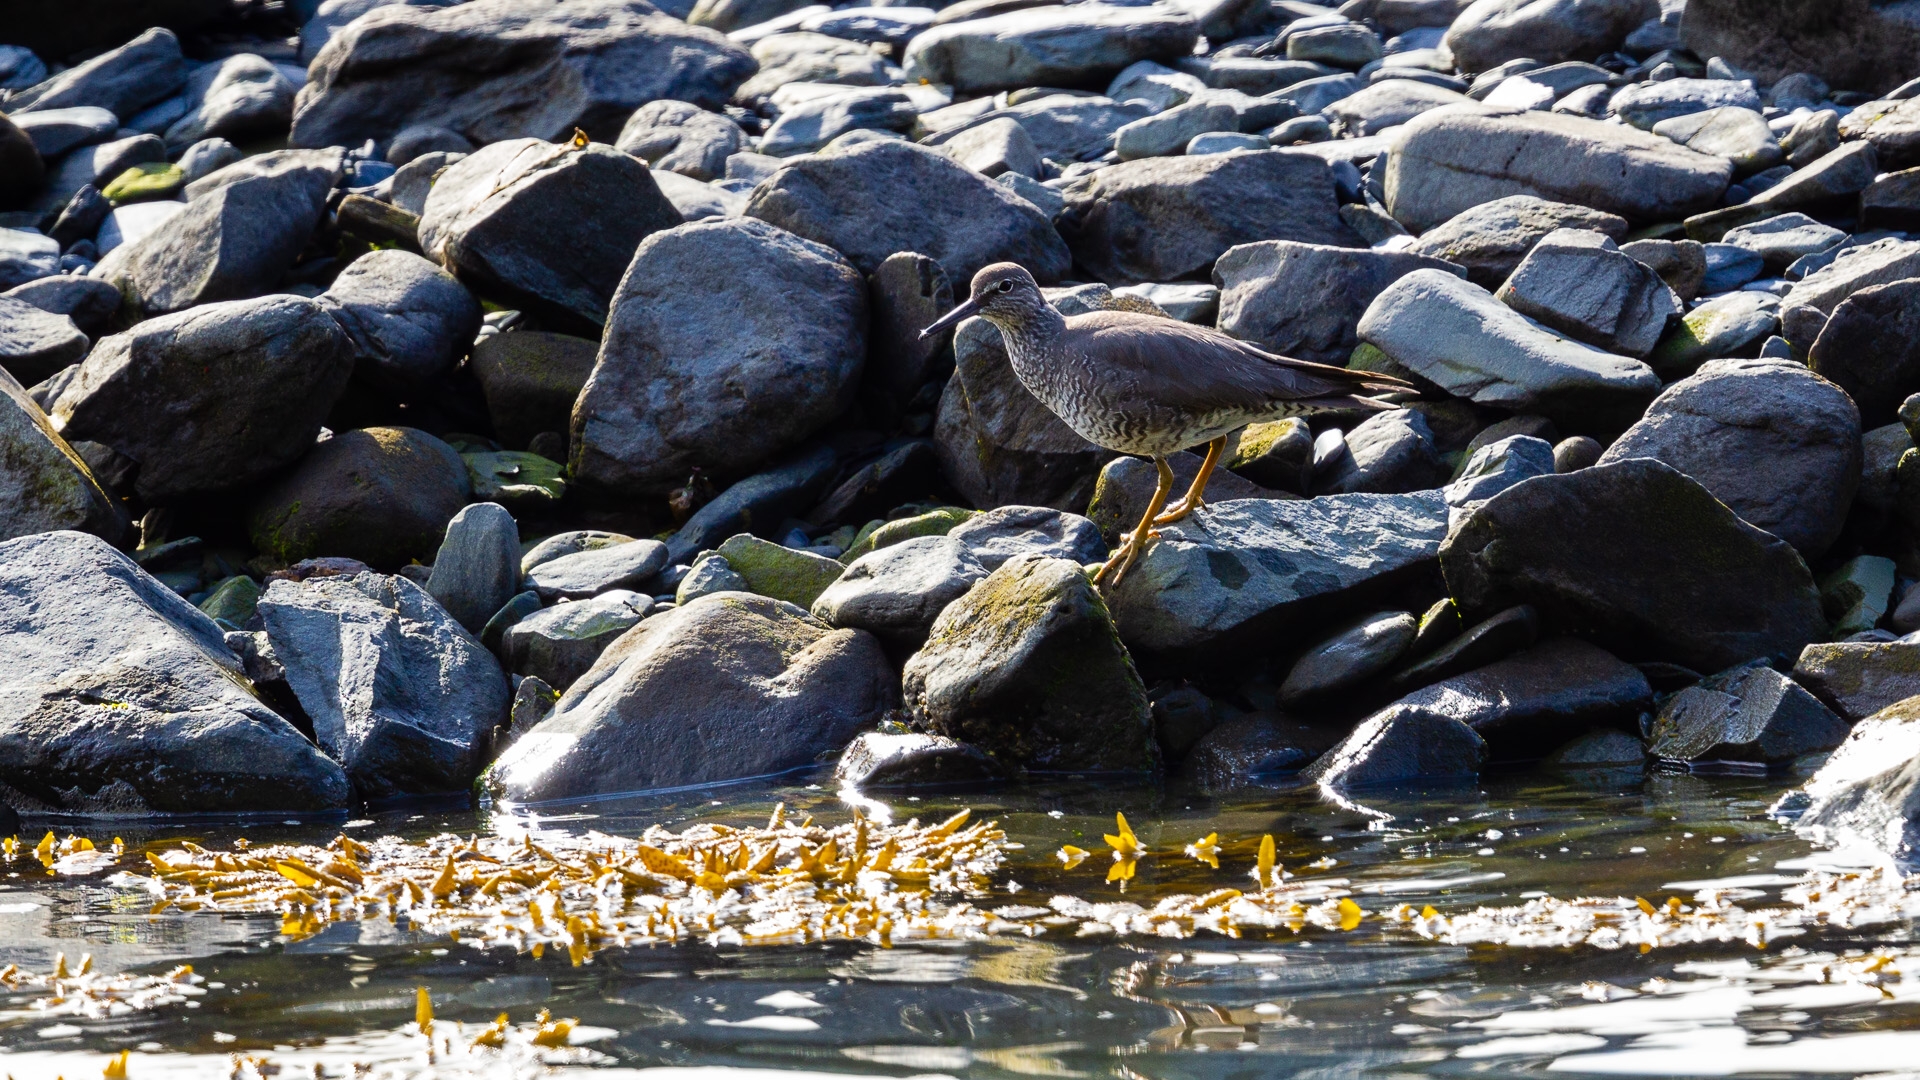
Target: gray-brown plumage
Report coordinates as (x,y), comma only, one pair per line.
(1150,386)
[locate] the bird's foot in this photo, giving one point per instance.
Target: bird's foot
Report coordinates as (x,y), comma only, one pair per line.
(1120,561)
(1178,511)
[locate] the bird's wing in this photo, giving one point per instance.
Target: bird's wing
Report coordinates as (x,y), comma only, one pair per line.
(1193,367)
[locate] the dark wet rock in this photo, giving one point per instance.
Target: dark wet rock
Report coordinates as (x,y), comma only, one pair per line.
(1182,715)
(1349,658)
(1027,666)
(760,501)
(1748,714)
(546,228)
(726,687)
(1870,347)
(1400,746)
(120,697)
(1850,44)
(683,138)
(1457,335)
(531,379)
(410,321)
(724,374)
(382,495)
(1255,573)
(1603,749)
(1303,300)
(1579,283)
(477,569)
(1858,679)
(34,343)
(559,644)
(1248,749)
(1778,445)
(1389,453)
(901,475)
(1490,32)
(398,693)
(868,200)
(212,399)
(896,592)
(1682,264)
(905,294)
(44,485)
(1539,697)
(507,69)
(879,760)
(1439,166)
(1005,533)
(1617,553)
(1491,238)
(1483,643)
(1163,219)
(1868,793)
(1723,326)
(88,301)
(1126,486)
(122,81)
(1050,46)
(521,606)
(593,571)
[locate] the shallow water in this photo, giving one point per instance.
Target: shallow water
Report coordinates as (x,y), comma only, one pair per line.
(1376,1001)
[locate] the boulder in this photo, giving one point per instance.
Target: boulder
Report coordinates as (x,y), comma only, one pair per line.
(1723,326)
(896,592)
(1833,178)
(34,343)
(88,301)
(53,132)
(531,379)
(1892,128)
(1304,300)
(1064,128)
(1859,678)
(1162,219)
(784,573)
(1443,162)
(1388,453)
(1253,574)
(1248,749)
(477,569)
(809,125)
(212,399)
(410,321)
(1170,131)
(1538,698)
(683,138)
(1870,347)
(1578,283)
(1027,666)
(1399,747)
(760,501)
(26,257)
(1367,649)
(1735,132)
(1853,269)
(399,694)
(726,687)
(996,146)
(1388,104)
(1616,554)
(730,342)
(559,644)
(119,697)
(1781,241)
(1853,43)
(1458,336)
(382,495)
(240,97)
(1750,714)
(594,570)
(497,70)
(95,166)
(1491,32)
(1490,239)
(1777,444)
(905,294)
(1127,484)
(1496,466)
(870,199)
(879,760)
(1868,793)
(1005,533)
(122,81)
(1646,104)
(1047,46)
(797,57)
(44,484)
(546,228)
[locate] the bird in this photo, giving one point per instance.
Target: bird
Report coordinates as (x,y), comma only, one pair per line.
(1151,386)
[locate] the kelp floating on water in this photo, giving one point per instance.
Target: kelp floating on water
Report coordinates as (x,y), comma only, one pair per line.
(78,990)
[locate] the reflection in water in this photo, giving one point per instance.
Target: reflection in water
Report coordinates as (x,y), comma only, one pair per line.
(1376,1001)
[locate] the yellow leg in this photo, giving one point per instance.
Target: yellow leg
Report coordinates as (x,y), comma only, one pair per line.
(1193,501)
(1136,541)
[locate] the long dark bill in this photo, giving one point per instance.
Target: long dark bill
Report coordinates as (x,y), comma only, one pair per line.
(952,318)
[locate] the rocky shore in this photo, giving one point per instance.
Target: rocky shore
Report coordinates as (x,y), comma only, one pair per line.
(525,397)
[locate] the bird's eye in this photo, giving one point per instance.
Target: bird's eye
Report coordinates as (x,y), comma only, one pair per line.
(1006,286)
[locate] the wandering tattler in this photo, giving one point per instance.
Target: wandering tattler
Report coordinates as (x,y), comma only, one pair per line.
(1150,386)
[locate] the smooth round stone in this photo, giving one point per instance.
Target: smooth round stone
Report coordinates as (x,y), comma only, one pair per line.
(1221,142)
(1353,655)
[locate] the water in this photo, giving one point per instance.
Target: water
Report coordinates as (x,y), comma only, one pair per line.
(1377,1001)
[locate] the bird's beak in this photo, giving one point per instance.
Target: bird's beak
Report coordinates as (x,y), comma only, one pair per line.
(952,318)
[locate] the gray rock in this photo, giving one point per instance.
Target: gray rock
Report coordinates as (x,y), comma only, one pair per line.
(88,301)
(1047,46)
(1891,128)
(990,673)
(560,644)
(869,200)
(682,138)
(409,187)
(998,535)
(1399,747)
(1250,574)
(95,165)
(1729,267)
(1813,136)
(122,81)
(1156,85)
(878,760)
(56,131)
(1858,679)
(1723,326)
(1368,649)
(1126,486)
(44,484)
(1855,268)
(1304,300)
(1779,241)
(1226,142)
(380,495)
(1775,443)
(1603,749)
(1527,703)
(1492,238)
(1615,552)
(498,70)
(331,15)
(1063,128)
(1389,453)
(1440,165)
(1844,172)
(410,144)
(1346,45)
(26,256)
(907,293)
(1497,466)
(1737,133)
(1682,264)
(19,68)
(1579,283)
(1248,749)
(410,321)
(1169,132)
(571,542)
(1313,96)
(34,343)
(1458,336)
(1869,348)
(781,492)
(1868,793)
(729,15)
(402,697)
(687,698)
(1645,104)
(209,400)
(807,57)
(1748,714)
(713,574)
(814,123)
(1387,104)
(697,201)
(239,97)
(589,573)
(1164,219)
(781,318)
(544,228)
(896,592)
(120,697)
(531,379)
(477,569)
(1492,31)
(996,146)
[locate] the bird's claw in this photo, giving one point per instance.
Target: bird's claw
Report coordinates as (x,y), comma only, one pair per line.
(1178,511)
(1117,564)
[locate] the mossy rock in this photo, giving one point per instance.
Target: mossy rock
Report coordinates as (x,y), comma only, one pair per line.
(153,180)
(798,577)
(382,495)
(516,479)
(232,601)
(932,523)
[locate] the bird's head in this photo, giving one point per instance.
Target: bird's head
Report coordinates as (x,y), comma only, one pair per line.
(1004,294)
